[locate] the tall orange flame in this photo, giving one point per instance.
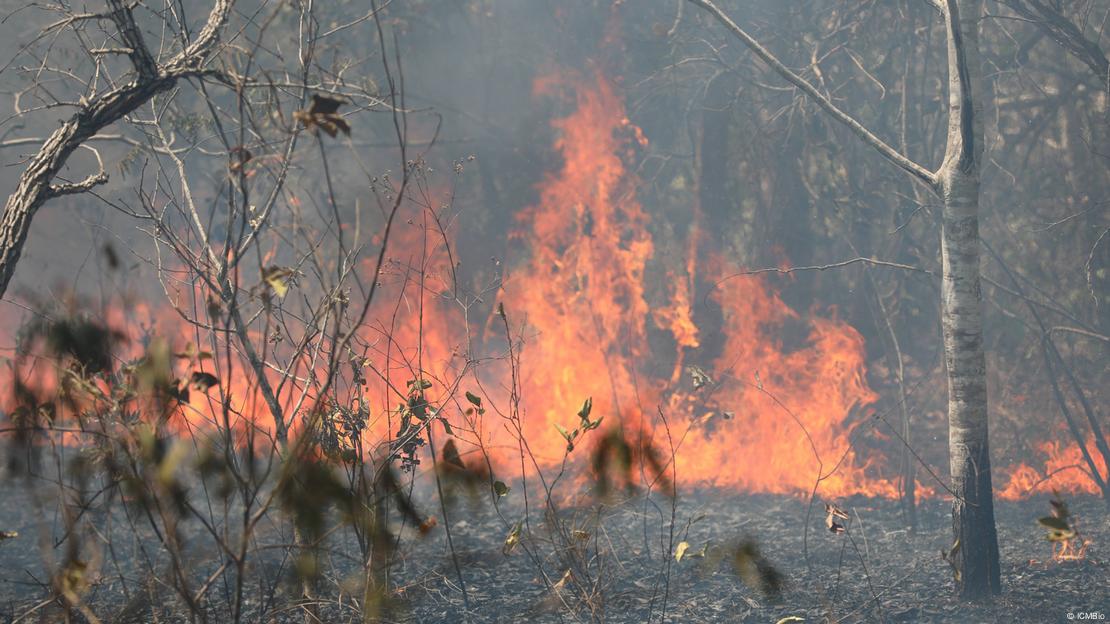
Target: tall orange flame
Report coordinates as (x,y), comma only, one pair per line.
(756,413)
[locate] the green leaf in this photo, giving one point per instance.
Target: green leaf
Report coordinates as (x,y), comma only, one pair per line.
(587,407)
(1059,508)
(562,431)
(474,399)
(500,488)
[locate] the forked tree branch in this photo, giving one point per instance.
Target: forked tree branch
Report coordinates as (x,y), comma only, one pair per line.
(906,164)
(36,184)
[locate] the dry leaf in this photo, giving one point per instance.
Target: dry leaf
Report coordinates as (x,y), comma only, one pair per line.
(202,381)
(427,525)
(680,550)
(323,113)
(277,278)
(240,156)
(513,539)
(832,513)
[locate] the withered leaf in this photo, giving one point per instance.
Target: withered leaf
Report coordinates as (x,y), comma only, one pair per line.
(214,308)
(1060,536)
(700,377)
(189,352)
(513,538)
(680,550)
(427,525)
(1053,522)
(1059,508)
(277,278)
(832,513)
(202,381)
(240,156)
(451,456)
(111,256)
(179,392)
(757,571)
(323,113)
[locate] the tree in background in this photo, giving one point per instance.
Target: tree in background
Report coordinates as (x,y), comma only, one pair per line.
(956,182)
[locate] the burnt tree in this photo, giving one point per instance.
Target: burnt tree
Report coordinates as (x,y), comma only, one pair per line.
(956,182)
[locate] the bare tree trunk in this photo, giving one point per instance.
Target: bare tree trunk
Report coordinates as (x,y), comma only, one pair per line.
(975,550)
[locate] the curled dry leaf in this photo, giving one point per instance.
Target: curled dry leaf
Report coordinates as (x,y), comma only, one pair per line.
(323,113)
(832,514)
(202,381)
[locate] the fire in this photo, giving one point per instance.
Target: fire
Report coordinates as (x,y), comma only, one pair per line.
(741,405)
(1070,550)
(774,419)
(1065,470)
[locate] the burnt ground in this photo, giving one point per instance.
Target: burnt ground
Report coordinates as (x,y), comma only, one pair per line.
(878,571)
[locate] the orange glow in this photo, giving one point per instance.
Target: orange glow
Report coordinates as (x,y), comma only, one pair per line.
(779,398)
(1065,471)
(582,294)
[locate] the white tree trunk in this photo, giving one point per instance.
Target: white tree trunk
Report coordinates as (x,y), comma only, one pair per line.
(975,555)
(975,550)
